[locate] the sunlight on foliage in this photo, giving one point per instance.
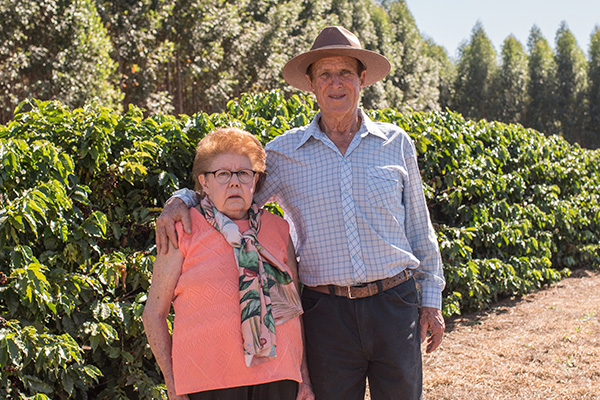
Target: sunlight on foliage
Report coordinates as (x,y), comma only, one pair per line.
(80,190)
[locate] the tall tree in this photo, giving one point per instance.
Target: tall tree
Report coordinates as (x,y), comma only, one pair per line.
(594,87)
(447,74)
(510,84)
(571,76)
(377,95)
(343,9)
(541,109)
(209,47)
(54,50)
(414,73)
(476,67)
(136,29)
(277,30)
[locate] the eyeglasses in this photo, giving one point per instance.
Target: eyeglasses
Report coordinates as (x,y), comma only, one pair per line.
(224,175)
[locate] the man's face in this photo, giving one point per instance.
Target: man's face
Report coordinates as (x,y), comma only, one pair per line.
(337,85)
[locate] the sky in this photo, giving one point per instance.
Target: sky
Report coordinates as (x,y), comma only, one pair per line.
(450,22)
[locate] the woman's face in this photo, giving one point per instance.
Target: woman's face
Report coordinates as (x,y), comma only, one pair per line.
(232,198)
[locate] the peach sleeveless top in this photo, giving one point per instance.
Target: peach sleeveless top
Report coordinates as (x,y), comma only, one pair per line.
(207,341)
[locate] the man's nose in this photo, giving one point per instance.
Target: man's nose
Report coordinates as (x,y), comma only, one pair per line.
(336,80)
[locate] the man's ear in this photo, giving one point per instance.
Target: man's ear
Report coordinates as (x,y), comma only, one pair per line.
(312,89)
(363,77)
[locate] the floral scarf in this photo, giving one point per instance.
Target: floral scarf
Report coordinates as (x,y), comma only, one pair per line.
(268,296)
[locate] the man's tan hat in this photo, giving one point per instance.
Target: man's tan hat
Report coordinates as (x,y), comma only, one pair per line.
(335,41)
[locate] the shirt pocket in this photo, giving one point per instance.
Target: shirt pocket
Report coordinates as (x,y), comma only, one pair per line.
(386,187)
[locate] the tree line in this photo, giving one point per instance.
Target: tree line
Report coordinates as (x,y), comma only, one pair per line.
(185,56)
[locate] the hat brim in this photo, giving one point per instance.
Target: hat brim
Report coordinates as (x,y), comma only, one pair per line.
(294,72)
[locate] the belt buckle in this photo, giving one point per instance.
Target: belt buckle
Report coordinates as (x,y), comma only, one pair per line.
(349,291)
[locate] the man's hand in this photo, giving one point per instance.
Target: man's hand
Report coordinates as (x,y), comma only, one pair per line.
(431,320)
(174,210)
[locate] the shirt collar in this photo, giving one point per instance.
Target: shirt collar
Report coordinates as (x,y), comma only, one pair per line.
(367,127)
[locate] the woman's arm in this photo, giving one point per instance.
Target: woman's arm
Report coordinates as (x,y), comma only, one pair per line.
(167,269)
(304,389)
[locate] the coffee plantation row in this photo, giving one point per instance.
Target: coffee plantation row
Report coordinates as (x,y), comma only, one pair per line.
(80,190)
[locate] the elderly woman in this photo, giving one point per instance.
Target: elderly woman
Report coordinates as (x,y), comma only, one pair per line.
(237,332)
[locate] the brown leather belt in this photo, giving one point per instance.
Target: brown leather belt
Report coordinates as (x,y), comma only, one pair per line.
(366,290)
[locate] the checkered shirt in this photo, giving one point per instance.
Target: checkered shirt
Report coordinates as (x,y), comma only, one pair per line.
(357,217)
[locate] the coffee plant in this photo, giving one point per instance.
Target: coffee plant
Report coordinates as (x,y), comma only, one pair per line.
(513,209)
(80,191)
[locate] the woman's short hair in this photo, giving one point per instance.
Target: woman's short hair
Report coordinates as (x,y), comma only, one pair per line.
(228,141)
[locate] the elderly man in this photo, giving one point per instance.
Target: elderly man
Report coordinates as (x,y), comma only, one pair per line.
(368,254)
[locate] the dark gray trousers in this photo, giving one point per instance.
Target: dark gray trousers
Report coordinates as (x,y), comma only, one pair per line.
(278,390)
(350,340)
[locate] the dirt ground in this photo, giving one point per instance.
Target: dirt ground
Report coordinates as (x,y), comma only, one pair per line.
(545,345)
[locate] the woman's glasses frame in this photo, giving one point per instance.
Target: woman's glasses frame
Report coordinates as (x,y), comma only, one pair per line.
(223,176)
